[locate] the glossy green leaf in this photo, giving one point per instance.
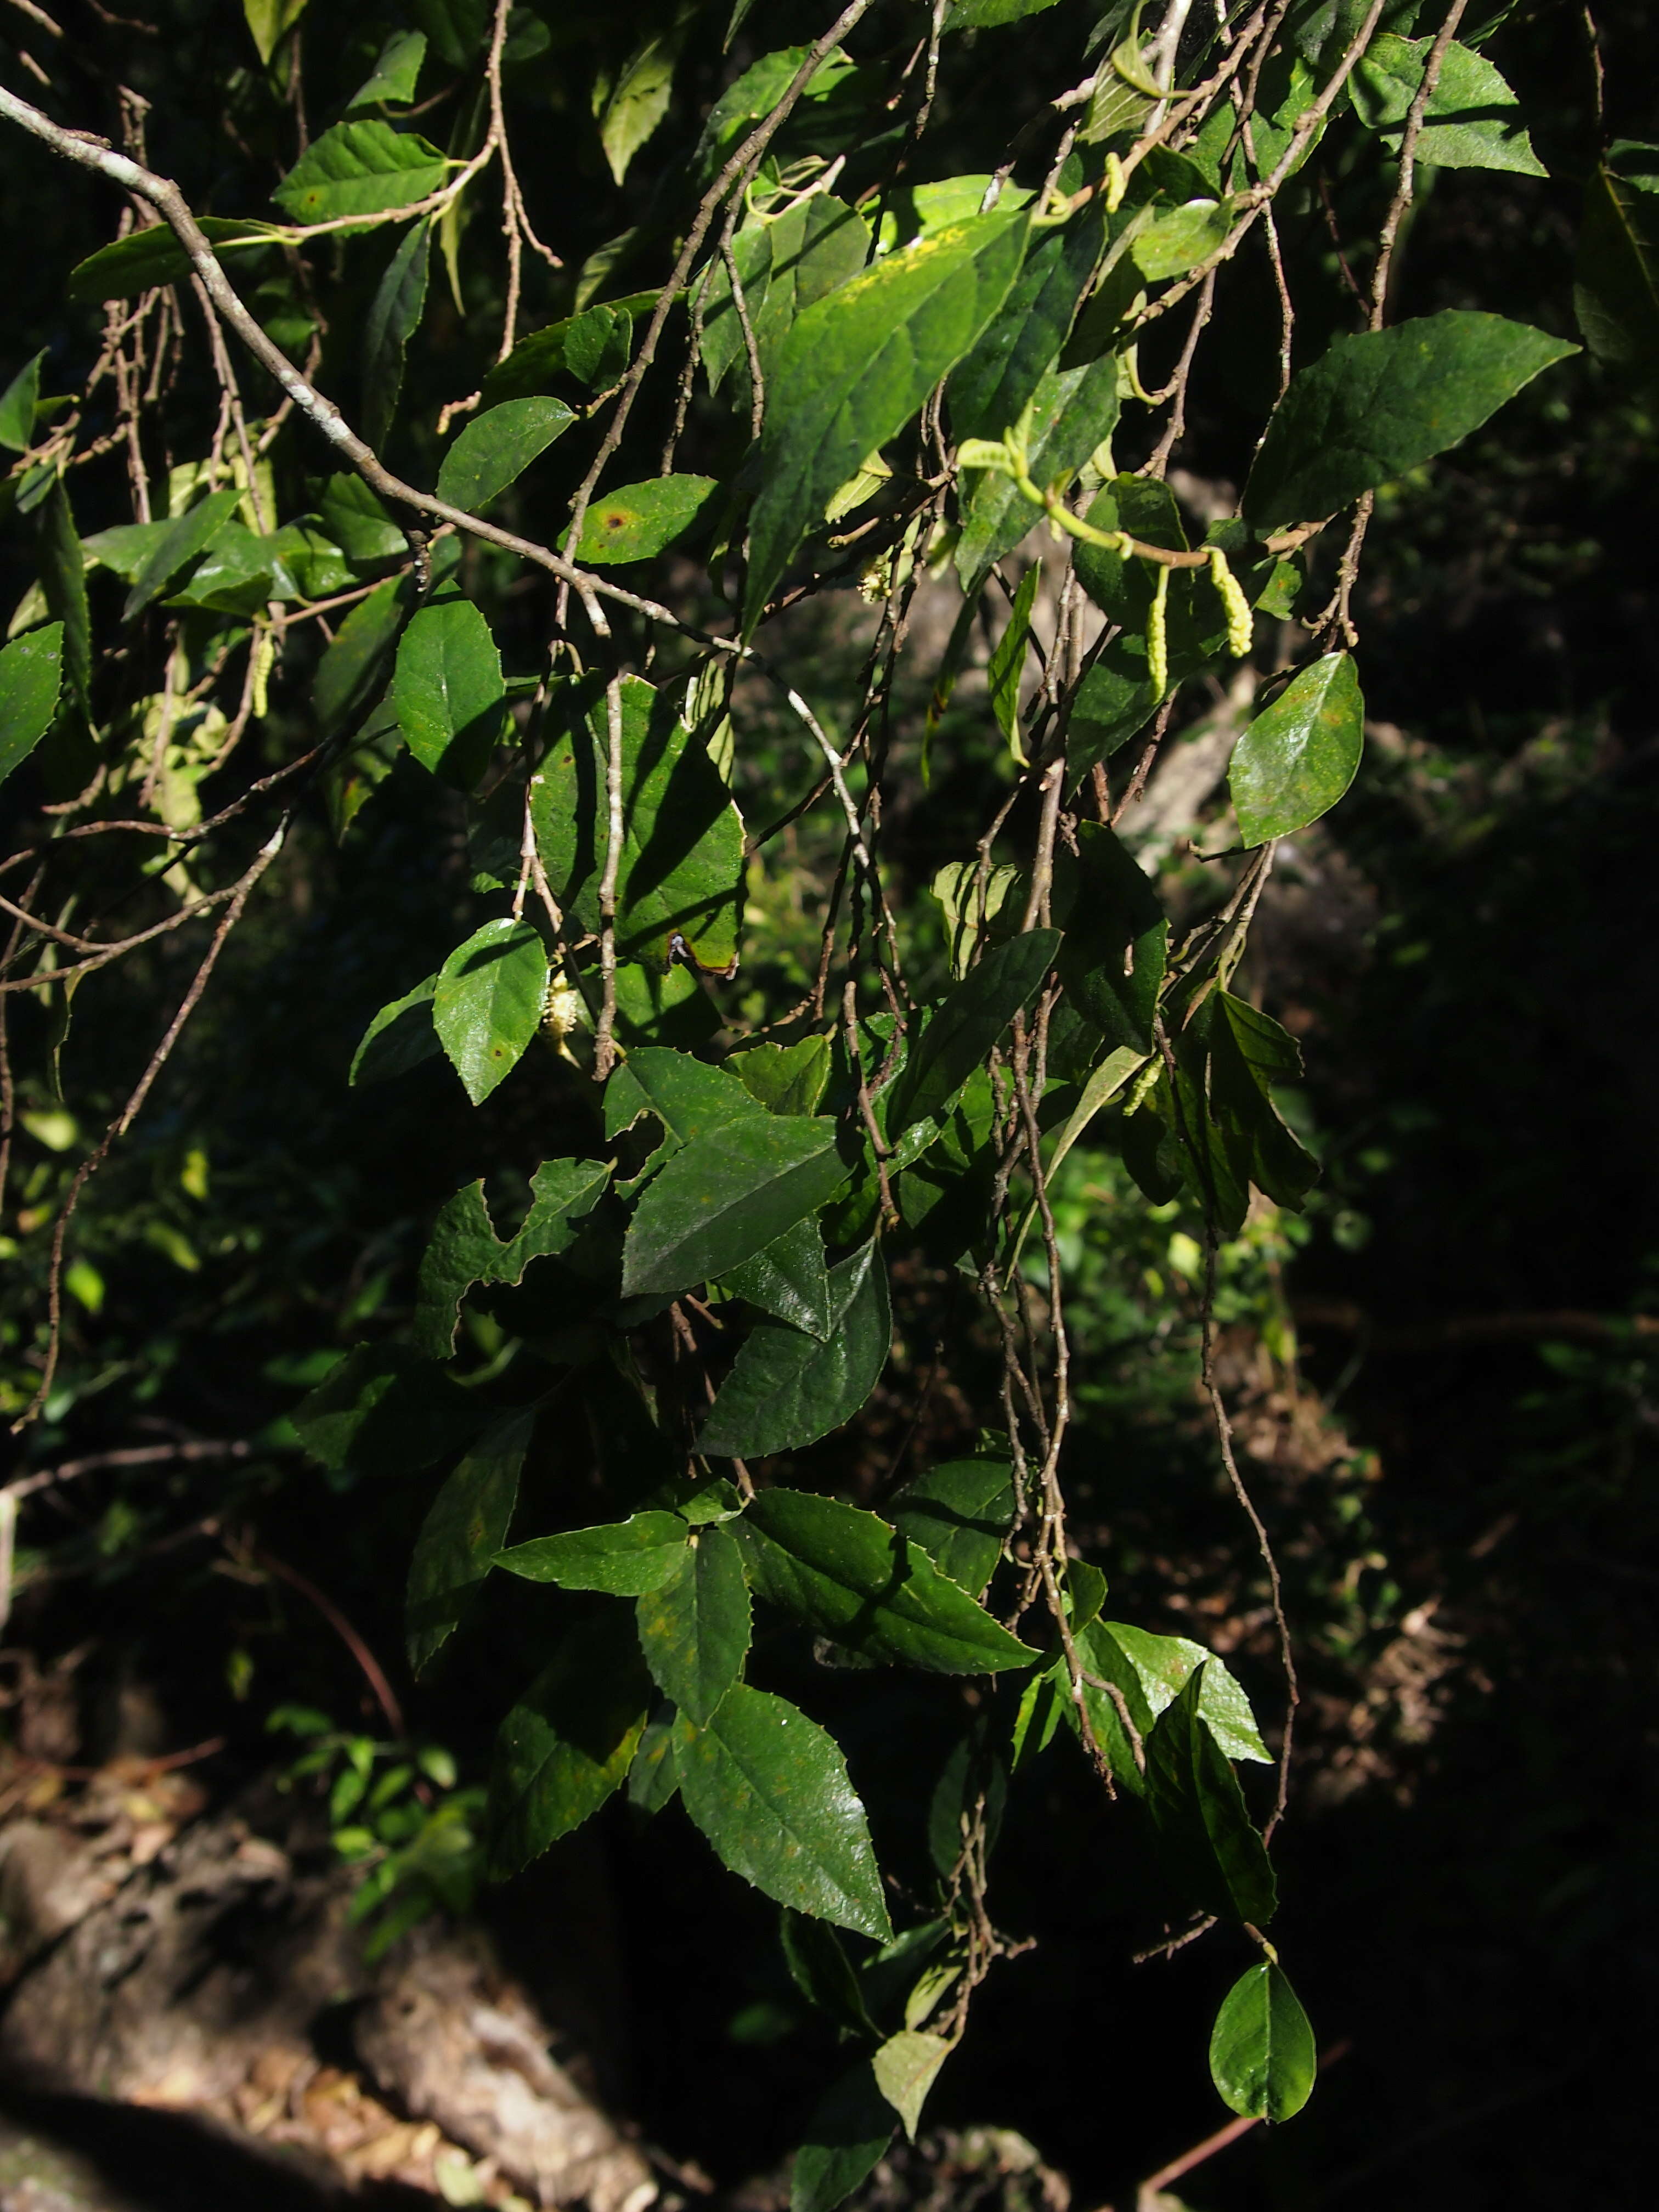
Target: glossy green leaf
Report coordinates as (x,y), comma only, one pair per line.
(787,1078)
(1382,402)
(1204,1832)
(786,263)
(687,1096)
(465,1528)
(769,1790)
(1294,760)
(1473,121)
(1007,662)
(394,316)
(787,1388)
(463,1247)
(1117,939)
(636,521)
(682,860)
(487,1003)
(30,677)
(850,2127)
(623,1558)
(570,1741)
(63,587)
(17,405)
(905,2069)
(593,347)
(400,1036)
(395,75)
(959,1513)
(495,449)
(271,22)
(858,365)
(960,1032)
(790,1281)
(145,259)
(1262,2057)
(362,168)
(448,689)
(727,1195)
(694,1627)
(184,540)
(1616,281)
(1152,1670)
(856,1579)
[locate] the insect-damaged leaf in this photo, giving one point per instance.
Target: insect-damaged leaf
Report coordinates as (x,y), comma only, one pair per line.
(462,1533)
(854,1577)
(693,1626)
(1262,2057)
(636,521)
(787,1386)
(569,1741)
(769,1790)
(487,1003)
(463,1247)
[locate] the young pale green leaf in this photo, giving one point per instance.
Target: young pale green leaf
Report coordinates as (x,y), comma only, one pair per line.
(394,316)
(1177,239)
(962,1029)
(1382,402)
(395,75)
(1152,1670)
(145,259)
(728,1195)
(1616,282)
(1198,1809)
(495,450)
(1117,938)
(487,1003)
(636,521)
(271,22)
(787,1386)
(463,1247)
(1262,2057)
(183,541)
(790,1281)
(857,365)
(769,1790)
(856,1578)
(639,98)
(63,587)
(1473,120)
(31,678)
(1007,661)
(462,1533)
(694,1627)
(850,2127)
(400,1036)
(17,405)
(448,689)
(364,168)
(623,1557)
(959,1513)
(905,2069)
(570,1741)
(1295,760)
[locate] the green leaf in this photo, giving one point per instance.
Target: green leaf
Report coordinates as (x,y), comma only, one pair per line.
(1007,661)
(959,1513)
(639,100)
(570,1741)
(769,1790)
(271,22)
(694,1628)
(786,263)
(1294,761)
(1117,940)
(790,1281)
(184,540)
(464,1530)
(991,15)
(17,405)
(394,316)
(30,677)
(905,2069)
(1198,1808)
(856,1579)
(384,1412)
(463,1247)
(788,1387)
(1472,121)
(1177,238)
(487,1003)
(362,168)
(400,1036)
(63,586)
(358,524)
(820,1970)
(1152,1670)
(146,259)
(1616,283)
(448,689)
(624,1558)
(1262,2057)
(396,75)
(495,450)
(989,389)
(593,347)
(636,521)
(653,1780)
(1248,1052)
(682,860)
(787,1078)
(1382,402)
(727,1195)
(686,1095)
(963,1028)
(850,2127)
(356,662)
(857,365)
(756,93)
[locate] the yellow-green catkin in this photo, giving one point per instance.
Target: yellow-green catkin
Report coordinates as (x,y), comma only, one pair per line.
(1157,636)
(264,650)
(1234,603)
